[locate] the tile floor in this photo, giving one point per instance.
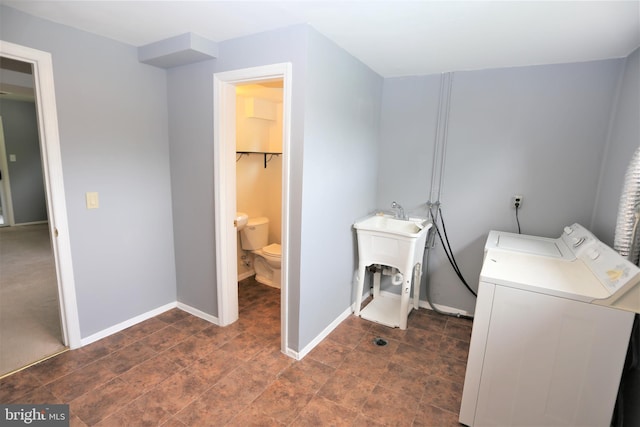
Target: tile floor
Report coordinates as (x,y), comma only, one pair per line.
(178,370)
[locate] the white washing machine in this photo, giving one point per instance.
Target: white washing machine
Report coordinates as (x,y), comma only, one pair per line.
(573,239)
(551,330)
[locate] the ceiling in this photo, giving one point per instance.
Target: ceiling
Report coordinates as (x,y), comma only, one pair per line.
(393,37)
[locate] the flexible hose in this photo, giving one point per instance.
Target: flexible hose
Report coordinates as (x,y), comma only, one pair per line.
(451,260)
(433,307)
(627,243)
(626,237)
(449,252)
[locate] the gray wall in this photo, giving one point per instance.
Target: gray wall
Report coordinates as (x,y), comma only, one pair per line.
(112,116)
(342,104)
(537,131)
(409,113)
(334,136)
(190,98)
(624,139)
(190,101)
(25,174)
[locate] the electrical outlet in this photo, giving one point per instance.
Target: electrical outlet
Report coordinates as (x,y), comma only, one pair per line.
(517,201)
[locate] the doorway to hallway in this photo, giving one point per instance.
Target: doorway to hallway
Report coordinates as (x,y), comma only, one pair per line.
(57,237)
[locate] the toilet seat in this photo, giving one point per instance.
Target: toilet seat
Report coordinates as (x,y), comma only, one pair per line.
(273,250)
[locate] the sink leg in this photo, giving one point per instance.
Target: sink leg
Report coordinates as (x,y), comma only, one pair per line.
(359,289)
(404,303)
(376,284)
(404,298)
(417,275)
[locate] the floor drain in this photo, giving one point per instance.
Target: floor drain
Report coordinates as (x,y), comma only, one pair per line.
(380,342)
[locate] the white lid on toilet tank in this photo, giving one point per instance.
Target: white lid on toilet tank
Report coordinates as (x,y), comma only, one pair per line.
(273,249)
(258,220)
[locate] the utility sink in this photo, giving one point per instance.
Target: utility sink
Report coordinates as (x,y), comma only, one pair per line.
(388,224)
(393,242)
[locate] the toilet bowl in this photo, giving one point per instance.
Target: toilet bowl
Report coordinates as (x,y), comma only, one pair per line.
(266,263)
(267,258)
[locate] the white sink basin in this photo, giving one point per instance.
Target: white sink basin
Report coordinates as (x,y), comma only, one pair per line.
(383,239)
(241,220)
(388,224)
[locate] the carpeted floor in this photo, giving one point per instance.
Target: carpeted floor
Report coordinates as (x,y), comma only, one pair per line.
(29,308)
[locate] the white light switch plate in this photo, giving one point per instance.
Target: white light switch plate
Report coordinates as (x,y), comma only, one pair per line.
(92,200)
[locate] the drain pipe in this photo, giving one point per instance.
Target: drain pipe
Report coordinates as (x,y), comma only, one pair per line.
(439,153)
(434,191)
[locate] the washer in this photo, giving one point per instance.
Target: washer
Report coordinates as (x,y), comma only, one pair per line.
(552,324)
(565,246)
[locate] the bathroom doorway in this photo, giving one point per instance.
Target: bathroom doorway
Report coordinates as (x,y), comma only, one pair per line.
(259,172)
(55,232)
(225,94)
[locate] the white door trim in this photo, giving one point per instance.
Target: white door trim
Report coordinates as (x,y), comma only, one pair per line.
(224,97)
(54,185)
(5,192)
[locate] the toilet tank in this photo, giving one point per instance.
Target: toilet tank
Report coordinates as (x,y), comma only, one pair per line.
(255,235)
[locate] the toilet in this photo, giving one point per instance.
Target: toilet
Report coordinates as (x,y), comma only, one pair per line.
(267,258)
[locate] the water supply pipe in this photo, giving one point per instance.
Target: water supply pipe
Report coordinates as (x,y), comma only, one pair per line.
(397,279)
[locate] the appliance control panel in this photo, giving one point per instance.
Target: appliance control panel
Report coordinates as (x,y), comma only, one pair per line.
(578,239)
(613,270)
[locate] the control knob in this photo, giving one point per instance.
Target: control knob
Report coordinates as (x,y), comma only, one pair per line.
(594,254)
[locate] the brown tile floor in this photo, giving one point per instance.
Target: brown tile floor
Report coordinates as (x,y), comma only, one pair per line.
(178,370)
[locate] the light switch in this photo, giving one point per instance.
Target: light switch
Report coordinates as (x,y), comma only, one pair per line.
(92,200)
(12,157)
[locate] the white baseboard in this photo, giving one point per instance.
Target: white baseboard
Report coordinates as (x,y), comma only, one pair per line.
(198,313)
(364,297)
(148,315)
(21,224)
(444,308)
(299,355)
(246,274)
(292,354)
(127,323)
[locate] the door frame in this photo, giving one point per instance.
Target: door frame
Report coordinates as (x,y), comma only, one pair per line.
(5,183)
(224,141)
(46,111)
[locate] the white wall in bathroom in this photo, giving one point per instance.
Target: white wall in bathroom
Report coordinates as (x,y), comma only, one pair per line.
(259,189)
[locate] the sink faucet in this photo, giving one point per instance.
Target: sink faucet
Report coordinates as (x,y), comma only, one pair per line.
(400,211)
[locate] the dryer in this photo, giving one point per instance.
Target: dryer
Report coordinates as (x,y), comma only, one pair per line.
(552,324)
